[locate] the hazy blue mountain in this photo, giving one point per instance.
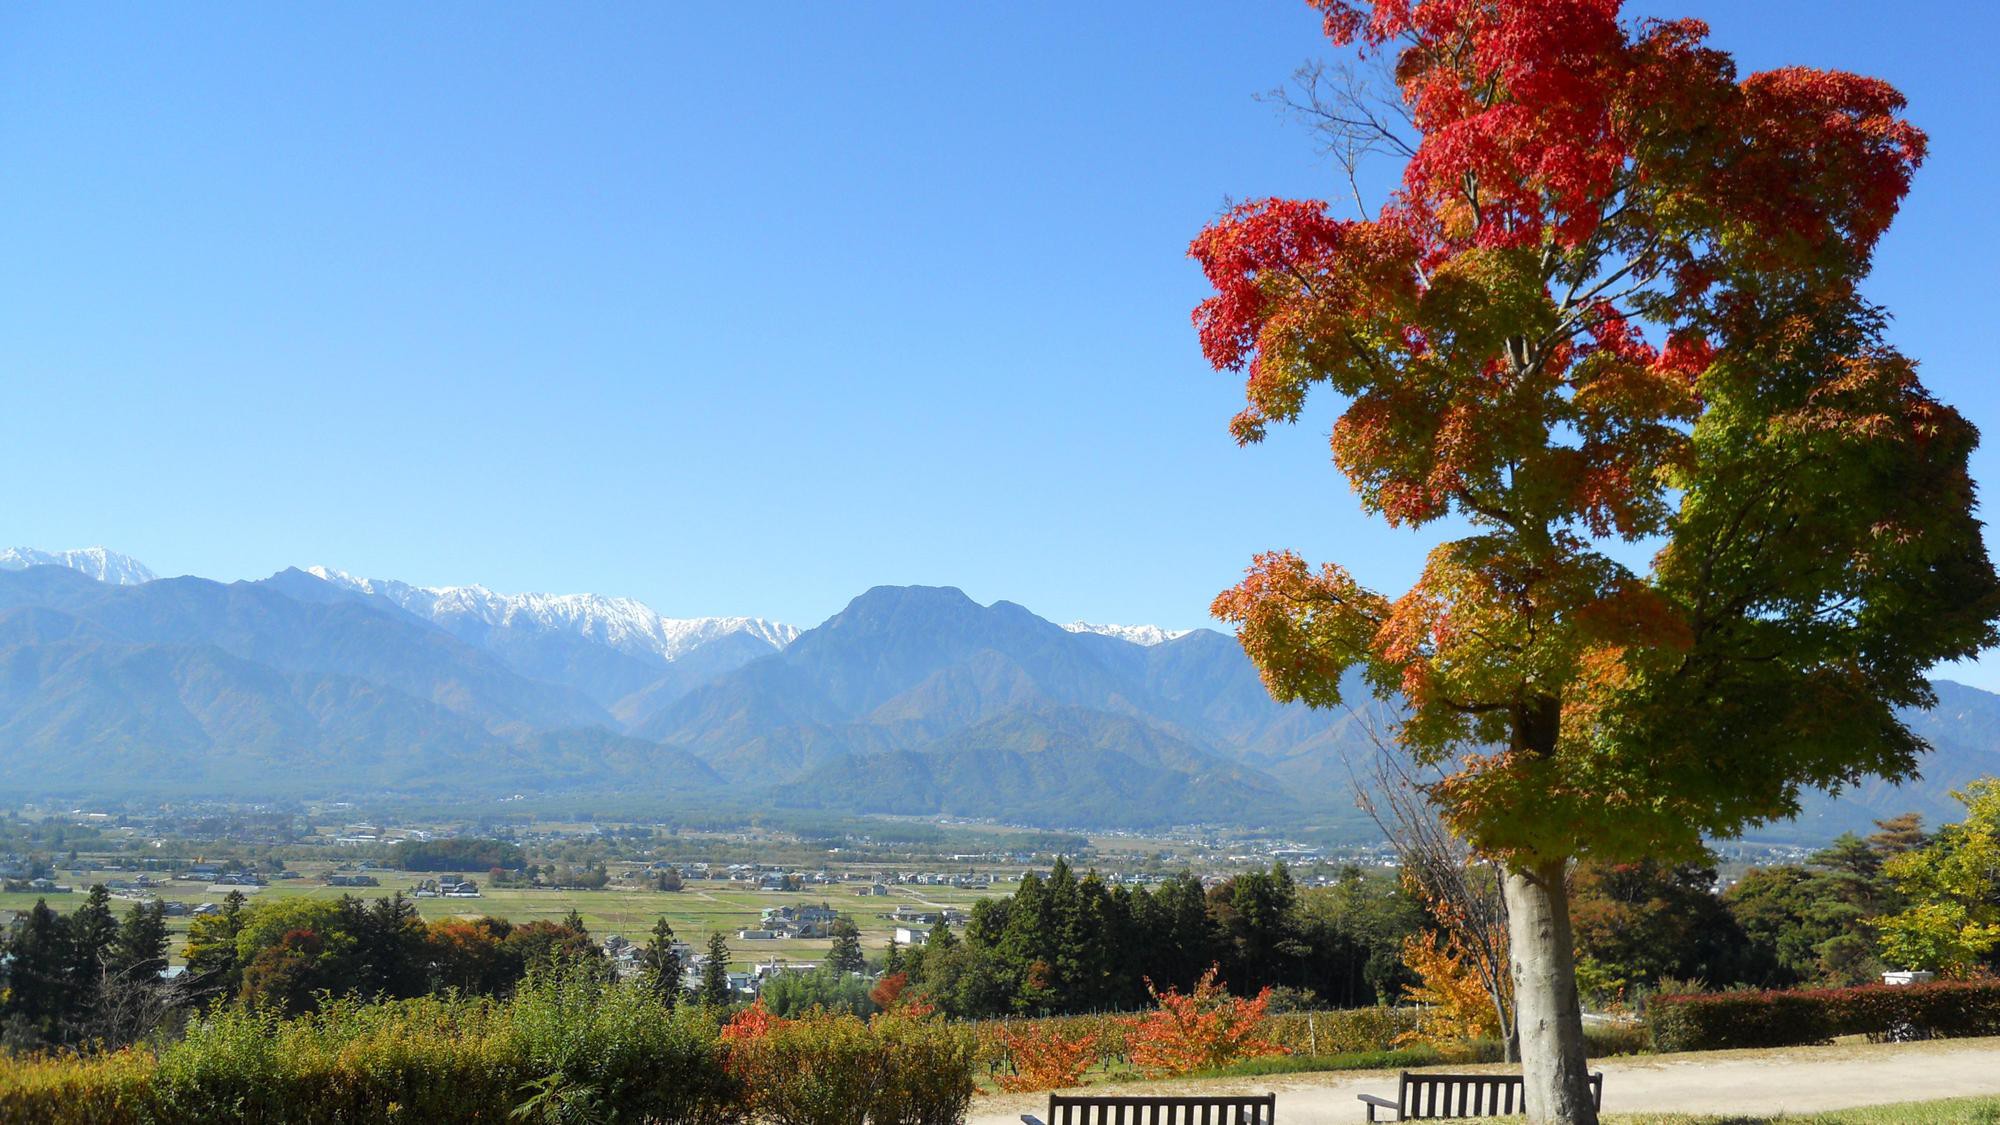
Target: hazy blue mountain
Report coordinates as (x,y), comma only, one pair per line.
(1058,765)
(906,664)
(918,699)
(257,623)
(910,700)
(84,712)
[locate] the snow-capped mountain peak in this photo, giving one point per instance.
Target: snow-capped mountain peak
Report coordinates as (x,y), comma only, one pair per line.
(1136,634)
(622,623)
(101,564)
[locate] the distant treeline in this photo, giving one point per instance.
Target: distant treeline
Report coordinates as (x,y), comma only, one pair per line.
(1064,943)
(87,977)
(461,853)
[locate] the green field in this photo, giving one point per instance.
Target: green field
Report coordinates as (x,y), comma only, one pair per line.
(694,913)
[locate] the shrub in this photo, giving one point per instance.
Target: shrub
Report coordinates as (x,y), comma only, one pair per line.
(820,1070)
(1405,1058)
(1202,1030)
(569,1046)
(1046,1057)
(1456,1006)
(928,1072)
(1619,1037)
(424,1059)
(113,1089)
(614,1047)
(1341,1031)
(1710,1021)
(1328,1032)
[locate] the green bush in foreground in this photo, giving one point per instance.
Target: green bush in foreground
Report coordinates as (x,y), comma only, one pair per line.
(1711,1021)
(568,1047)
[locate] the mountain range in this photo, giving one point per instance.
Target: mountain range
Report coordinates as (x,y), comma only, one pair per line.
(103,565)
(910,700)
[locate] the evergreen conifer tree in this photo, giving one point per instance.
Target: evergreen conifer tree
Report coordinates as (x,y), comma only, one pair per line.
(140,949)
(715,972)
(846,956)
(662,963)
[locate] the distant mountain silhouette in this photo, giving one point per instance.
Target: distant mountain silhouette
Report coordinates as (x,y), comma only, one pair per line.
(911,700)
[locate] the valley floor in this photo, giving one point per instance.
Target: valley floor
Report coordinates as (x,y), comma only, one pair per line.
(1792,1080)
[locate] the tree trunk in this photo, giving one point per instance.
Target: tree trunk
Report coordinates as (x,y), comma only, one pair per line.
(1555,1075)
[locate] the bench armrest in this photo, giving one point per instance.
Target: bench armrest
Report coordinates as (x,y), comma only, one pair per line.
(1375,1103)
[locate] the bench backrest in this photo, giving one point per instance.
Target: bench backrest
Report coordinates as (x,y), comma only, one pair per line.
(1253,1110)
(1470,1095)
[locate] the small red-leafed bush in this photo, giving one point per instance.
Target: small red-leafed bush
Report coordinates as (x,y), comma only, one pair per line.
(1046,1057)
(1201,1030)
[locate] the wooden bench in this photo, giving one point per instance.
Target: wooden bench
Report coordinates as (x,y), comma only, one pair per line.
(1421,1096)
(1252,1110)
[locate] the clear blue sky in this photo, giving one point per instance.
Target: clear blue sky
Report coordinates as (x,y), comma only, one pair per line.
(733,308)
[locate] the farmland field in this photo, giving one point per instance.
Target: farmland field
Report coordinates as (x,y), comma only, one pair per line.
(702,908)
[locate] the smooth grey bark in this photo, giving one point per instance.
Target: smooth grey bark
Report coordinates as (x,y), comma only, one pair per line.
(1555,1073)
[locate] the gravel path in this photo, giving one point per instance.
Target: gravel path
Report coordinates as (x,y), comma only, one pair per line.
(1791,1080)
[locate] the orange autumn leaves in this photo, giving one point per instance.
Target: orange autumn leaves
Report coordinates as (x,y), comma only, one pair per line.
(1200,1030)
(1456,640)
(1457,1008)
(1046,1057)
(1205,1029)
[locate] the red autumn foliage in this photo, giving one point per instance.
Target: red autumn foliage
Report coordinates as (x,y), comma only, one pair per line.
(892,994)
(1614,299)
(1201,1030)
(750,1024)
(1045,1058)
(1613,295)
(889,990)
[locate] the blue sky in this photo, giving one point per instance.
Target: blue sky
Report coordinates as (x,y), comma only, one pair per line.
(733,308)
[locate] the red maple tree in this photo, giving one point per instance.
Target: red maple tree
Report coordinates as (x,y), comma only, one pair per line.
(1611,310)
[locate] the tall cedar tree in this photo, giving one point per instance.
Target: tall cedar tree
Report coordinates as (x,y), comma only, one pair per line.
(845,956)
(1613,304)
(715,972)
(662,963)
(140,949)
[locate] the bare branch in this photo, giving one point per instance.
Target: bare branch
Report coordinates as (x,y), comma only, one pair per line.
(1355,114)
(1462,886)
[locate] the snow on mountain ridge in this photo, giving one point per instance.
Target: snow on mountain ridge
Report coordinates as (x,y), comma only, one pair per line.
(98,562)
(621,623)
(1136,634)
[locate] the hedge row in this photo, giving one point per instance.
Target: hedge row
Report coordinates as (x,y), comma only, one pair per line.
(1712,1021)
(563,1050)
(1333,1031)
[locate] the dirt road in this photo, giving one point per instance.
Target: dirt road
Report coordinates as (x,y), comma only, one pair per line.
(1795,1080)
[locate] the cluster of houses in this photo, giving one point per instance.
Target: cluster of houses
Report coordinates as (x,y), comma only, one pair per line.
(16,866)
(914,923)
(624,957)
(791,922)
(744,983)
(39,885)
(445,886)
(965,880)
(216,876)
(771,877)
